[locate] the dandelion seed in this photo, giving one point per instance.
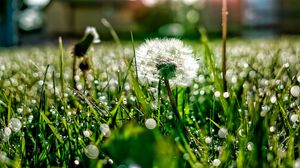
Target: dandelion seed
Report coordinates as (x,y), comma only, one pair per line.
(222,132)
(208,140)
(216,162)
(91,151)
(150,123)
(104,128)
(15,124)
(167,58)
(295,91)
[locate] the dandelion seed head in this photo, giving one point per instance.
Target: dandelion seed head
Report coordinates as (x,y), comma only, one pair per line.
(167,58)
(298,78)
(295,91)
(150,123)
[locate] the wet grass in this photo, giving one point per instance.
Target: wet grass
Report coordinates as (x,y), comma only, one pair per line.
(105,123)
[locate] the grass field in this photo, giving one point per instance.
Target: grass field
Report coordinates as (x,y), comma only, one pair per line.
(114,120)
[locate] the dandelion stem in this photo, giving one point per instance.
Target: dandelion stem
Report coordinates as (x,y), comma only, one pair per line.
(224,37)
(172,100)
(74,69)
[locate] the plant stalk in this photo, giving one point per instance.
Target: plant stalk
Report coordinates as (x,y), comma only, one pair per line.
(172,100)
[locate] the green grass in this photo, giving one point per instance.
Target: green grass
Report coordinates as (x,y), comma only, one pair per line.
(59,123)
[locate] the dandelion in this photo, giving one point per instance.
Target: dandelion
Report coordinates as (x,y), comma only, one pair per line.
(166,58)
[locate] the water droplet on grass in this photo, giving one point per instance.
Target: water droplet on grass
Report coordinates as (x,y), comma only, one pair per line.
(15,124)
(7,131)
(222,132)
(105,130)
(216,162)
(208,140)
(91,151)
(295,91)
(150,123)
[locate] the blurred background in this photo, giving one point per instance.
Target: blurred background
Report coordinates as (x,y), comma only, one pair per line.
(27,22)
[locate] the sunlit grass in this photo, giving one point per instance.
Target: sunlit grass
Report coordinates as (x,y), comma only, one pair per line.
(109,120)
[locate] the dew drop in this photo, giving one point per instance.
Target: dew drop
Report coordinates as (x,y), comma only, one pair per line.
(91,151)
(216,162)
(295,91)
(15,124)
(150,123)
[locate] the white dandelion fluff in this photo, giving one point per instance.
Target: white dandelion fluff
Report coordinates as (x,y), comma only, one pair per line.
(167,58)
